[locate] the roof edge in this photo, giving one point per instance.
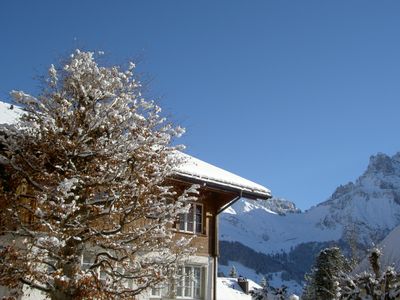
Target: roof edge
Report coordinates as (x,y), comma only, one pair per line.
(244,192)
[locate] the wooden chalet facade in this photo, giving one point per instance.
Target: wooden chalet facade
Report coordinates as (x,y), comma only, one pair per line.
(219,189)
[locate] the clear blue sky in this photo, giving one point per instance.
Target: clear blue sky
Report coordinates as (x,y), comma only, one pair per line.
(295,95)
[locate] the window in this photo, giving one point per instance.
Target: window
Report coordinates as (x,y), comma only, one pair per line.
(87,260)
(189,282)
(193,220)
(186,285)
(159,291)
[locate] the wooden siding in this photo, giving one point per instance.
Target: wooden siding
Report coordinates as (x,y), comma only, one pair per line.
(212,200)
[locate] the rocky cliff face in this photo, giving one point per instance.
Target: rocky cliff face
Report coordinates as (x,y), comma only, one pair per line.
(356,215)
(281,206)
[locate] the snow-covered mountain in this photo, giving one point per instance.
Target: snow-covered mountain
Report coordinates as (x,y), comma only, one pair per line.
(355,216)
(280,206)
(390,249)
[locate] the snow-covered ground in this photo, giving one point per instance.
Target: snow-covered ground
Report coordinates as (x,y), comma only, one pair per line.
(274,280)
(229,289)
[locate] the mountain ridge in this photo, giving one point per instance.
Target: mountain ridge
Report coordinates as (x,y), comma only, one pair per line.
(356,215)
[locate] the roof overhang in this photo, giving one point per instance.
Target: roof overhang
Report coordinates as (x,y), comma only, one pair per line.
(218,186)
(194,170)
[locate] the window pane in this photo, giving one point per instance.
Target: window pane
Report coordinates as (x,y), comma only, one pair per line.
(199,217)
(197,282)
(188,281)
(190,219)
(188,292)
(103,275)
(155,292)
(182,221)
(180,281)
(87,260)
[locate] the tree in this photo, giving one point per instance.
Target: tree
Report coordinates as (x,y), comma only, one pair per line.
(376,285)
(233,272)
(85,203)
(323,282)
(263,282)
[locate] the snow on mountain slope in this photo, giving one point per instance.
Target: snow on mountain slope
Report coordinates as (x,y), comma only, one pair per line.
(391,249)
(266,231)
(280,206)
(370,208)
(362,212)
(390,253)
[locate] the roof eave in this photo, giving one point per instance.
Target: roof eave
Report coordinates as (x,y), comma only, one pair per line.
(244,192)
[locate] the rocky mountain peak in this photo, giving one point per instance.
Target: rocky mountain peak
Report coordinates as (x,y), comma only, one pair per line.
(281,206)
(383,164)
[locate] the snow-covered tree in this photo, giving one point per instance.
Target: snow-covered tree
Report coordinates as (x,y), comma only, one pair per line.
(260,294)
(376,285)
(233,272)
(323,282)
(263,281)
(86,206)
(270,293)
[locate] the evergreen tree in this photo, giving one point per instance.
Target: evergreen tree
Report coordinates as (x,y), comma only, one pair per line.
(86,179)
(375,286)
(233,272)
(263,282)
(323,282)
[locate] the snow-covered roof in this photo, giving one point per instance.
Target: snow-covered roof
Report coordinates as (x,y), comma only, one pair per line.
(8,113)
(191,168)
(229,289)
(199,171)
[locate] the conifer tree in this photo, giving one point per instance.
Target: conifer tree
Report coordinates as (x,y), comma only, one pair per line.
(86,207)
(323,282)
(233,272)
(376,285)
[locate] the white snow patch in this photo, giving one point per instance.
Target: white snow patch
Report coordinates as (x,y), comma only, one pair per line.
(229,289)
(274,279)
(8,115)
(241,271)
(390,253)
(267,232)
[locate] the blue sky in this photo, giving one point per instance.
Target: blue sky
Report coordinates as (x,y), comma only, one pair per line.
(295,95)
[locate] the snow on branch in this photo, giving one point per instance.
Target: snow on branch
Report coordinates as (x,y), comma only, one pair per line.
(85,170)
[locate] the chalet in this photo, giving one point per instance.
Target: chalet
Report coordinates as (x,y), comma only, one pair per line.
(219,190)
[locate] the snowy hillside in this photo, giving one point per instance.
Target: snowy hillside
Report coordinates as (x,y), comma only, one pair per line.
(263,230)
(361,212)
(390,253)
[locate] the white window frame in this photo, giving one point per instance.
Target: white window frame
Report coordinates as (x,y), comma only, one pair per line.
(87,259)
(188,286)
(183,224)
(185,282)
